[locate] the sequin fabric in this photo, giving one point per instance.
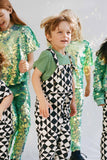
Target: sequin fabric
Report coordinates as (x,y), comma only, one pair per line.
(82,54)
(16,43)
(100,81)
(21,119)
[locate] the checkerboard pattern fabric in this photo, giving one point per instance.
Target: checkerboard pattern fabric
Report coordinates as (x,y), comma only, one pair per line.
(6,128)
(104,134)
(54,132)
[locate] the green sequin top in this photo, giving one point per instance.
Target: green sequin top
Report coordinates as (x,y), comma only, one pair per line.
(82,54)
(16,43)
(100,81)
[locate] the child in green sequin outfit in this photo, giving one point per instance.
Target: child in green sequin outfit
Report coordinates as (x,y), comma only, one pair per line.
(18,43)
(81,52)
(100,92)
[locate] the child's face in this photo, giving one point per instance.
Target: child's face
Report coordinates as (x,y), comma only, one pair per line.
(4,19)
(61,36)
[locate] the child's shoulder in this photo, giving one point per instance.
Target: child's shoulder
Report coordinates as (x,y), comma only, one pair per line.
(100,60)
(85,43)
(22,28)
(46,53)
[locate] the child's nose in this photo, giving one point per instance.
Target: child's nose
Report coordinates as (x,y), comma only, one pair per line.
(65,34)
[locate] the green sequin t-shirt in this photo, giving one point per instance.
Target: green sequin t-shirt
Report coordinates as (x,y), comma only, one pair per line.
(82,54)
(16,43)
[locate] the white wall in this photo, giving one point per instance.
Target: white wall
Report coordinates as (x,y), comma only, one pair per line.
(93,17)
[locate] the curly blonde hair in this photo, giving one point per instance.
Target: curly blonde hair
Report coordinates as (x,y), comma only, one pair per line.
(76,32)
(50,23)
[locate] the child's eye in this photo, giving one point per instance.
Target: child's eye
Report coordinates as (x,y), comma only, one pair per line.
(59,31)
(1,15)
(68,32)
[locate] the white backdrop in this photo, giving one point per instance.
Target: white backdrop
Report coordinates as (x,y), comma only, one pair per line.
(93,17)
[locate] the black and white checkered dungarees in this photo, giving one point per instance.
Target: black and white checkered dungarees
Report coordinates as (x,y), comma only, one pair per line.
(54,132)
(6,126)
(104,133)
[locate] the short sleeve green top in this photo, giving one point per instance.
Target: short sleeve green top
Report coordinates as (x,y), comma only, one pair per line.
(82,54)
(46,64)
(16,43)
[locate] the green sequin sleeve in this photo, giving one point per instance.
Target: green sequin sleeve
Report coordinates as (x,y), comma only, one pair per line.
(88,55)
(30,43)
(98,87)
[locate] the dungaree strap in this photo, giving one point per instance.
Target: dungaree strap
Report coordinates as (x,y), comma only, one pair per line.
(54,56)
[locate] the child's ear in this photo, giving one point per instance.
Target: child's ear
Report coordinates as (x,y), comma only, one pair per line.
(10,10)
(48,37)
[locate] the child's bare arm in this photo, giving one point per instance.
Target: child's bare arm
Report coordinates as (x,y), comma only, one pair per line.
(5,104)
(43,103)
(73,105)
(87,71)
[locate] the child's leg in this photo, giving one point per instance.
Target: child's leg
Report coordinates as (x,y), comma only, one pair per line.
(104,134)
(5,132)
(4,142)
(47,135)
(64,141)
(21,123)
(64,132)
(76,121)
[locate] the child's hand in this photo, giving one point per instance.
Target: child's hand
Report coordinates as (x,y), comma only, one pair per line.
(43,106)
(87,91)
(23,66)
(73,109)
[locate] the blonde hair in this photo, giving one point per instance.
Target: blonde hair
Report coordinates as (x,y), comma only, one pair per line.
(76,33)
(50,23)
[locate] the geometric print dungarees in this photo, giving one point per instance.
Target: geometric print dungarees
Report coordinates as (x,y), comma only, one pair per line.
(53,133)
(6,127)
(104,133)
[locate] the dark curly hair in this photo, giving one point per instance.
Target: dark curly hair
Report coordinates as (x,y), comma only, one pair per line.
(103,51)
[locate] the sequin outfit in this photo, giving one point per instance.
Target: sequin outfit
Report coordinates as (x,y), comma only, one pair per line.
(54,132)
(82,55)
(100,96)
(6,126)
(16,43)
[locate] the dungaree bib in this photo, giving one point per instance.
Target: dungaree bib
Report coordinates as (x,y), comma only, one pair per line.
(54,132)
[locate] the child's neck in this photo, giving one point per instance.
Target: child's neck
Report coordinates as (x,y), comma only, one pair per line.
(10,25)
(62,51)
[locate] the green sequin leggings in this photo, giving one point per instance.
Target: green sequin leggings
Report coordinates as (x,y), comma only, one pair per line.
(21,119)
(76,121)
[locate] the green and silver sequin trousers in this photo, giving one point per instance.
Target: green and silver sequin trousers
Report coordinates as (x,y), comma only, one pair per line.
(21,119)
(76,121)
